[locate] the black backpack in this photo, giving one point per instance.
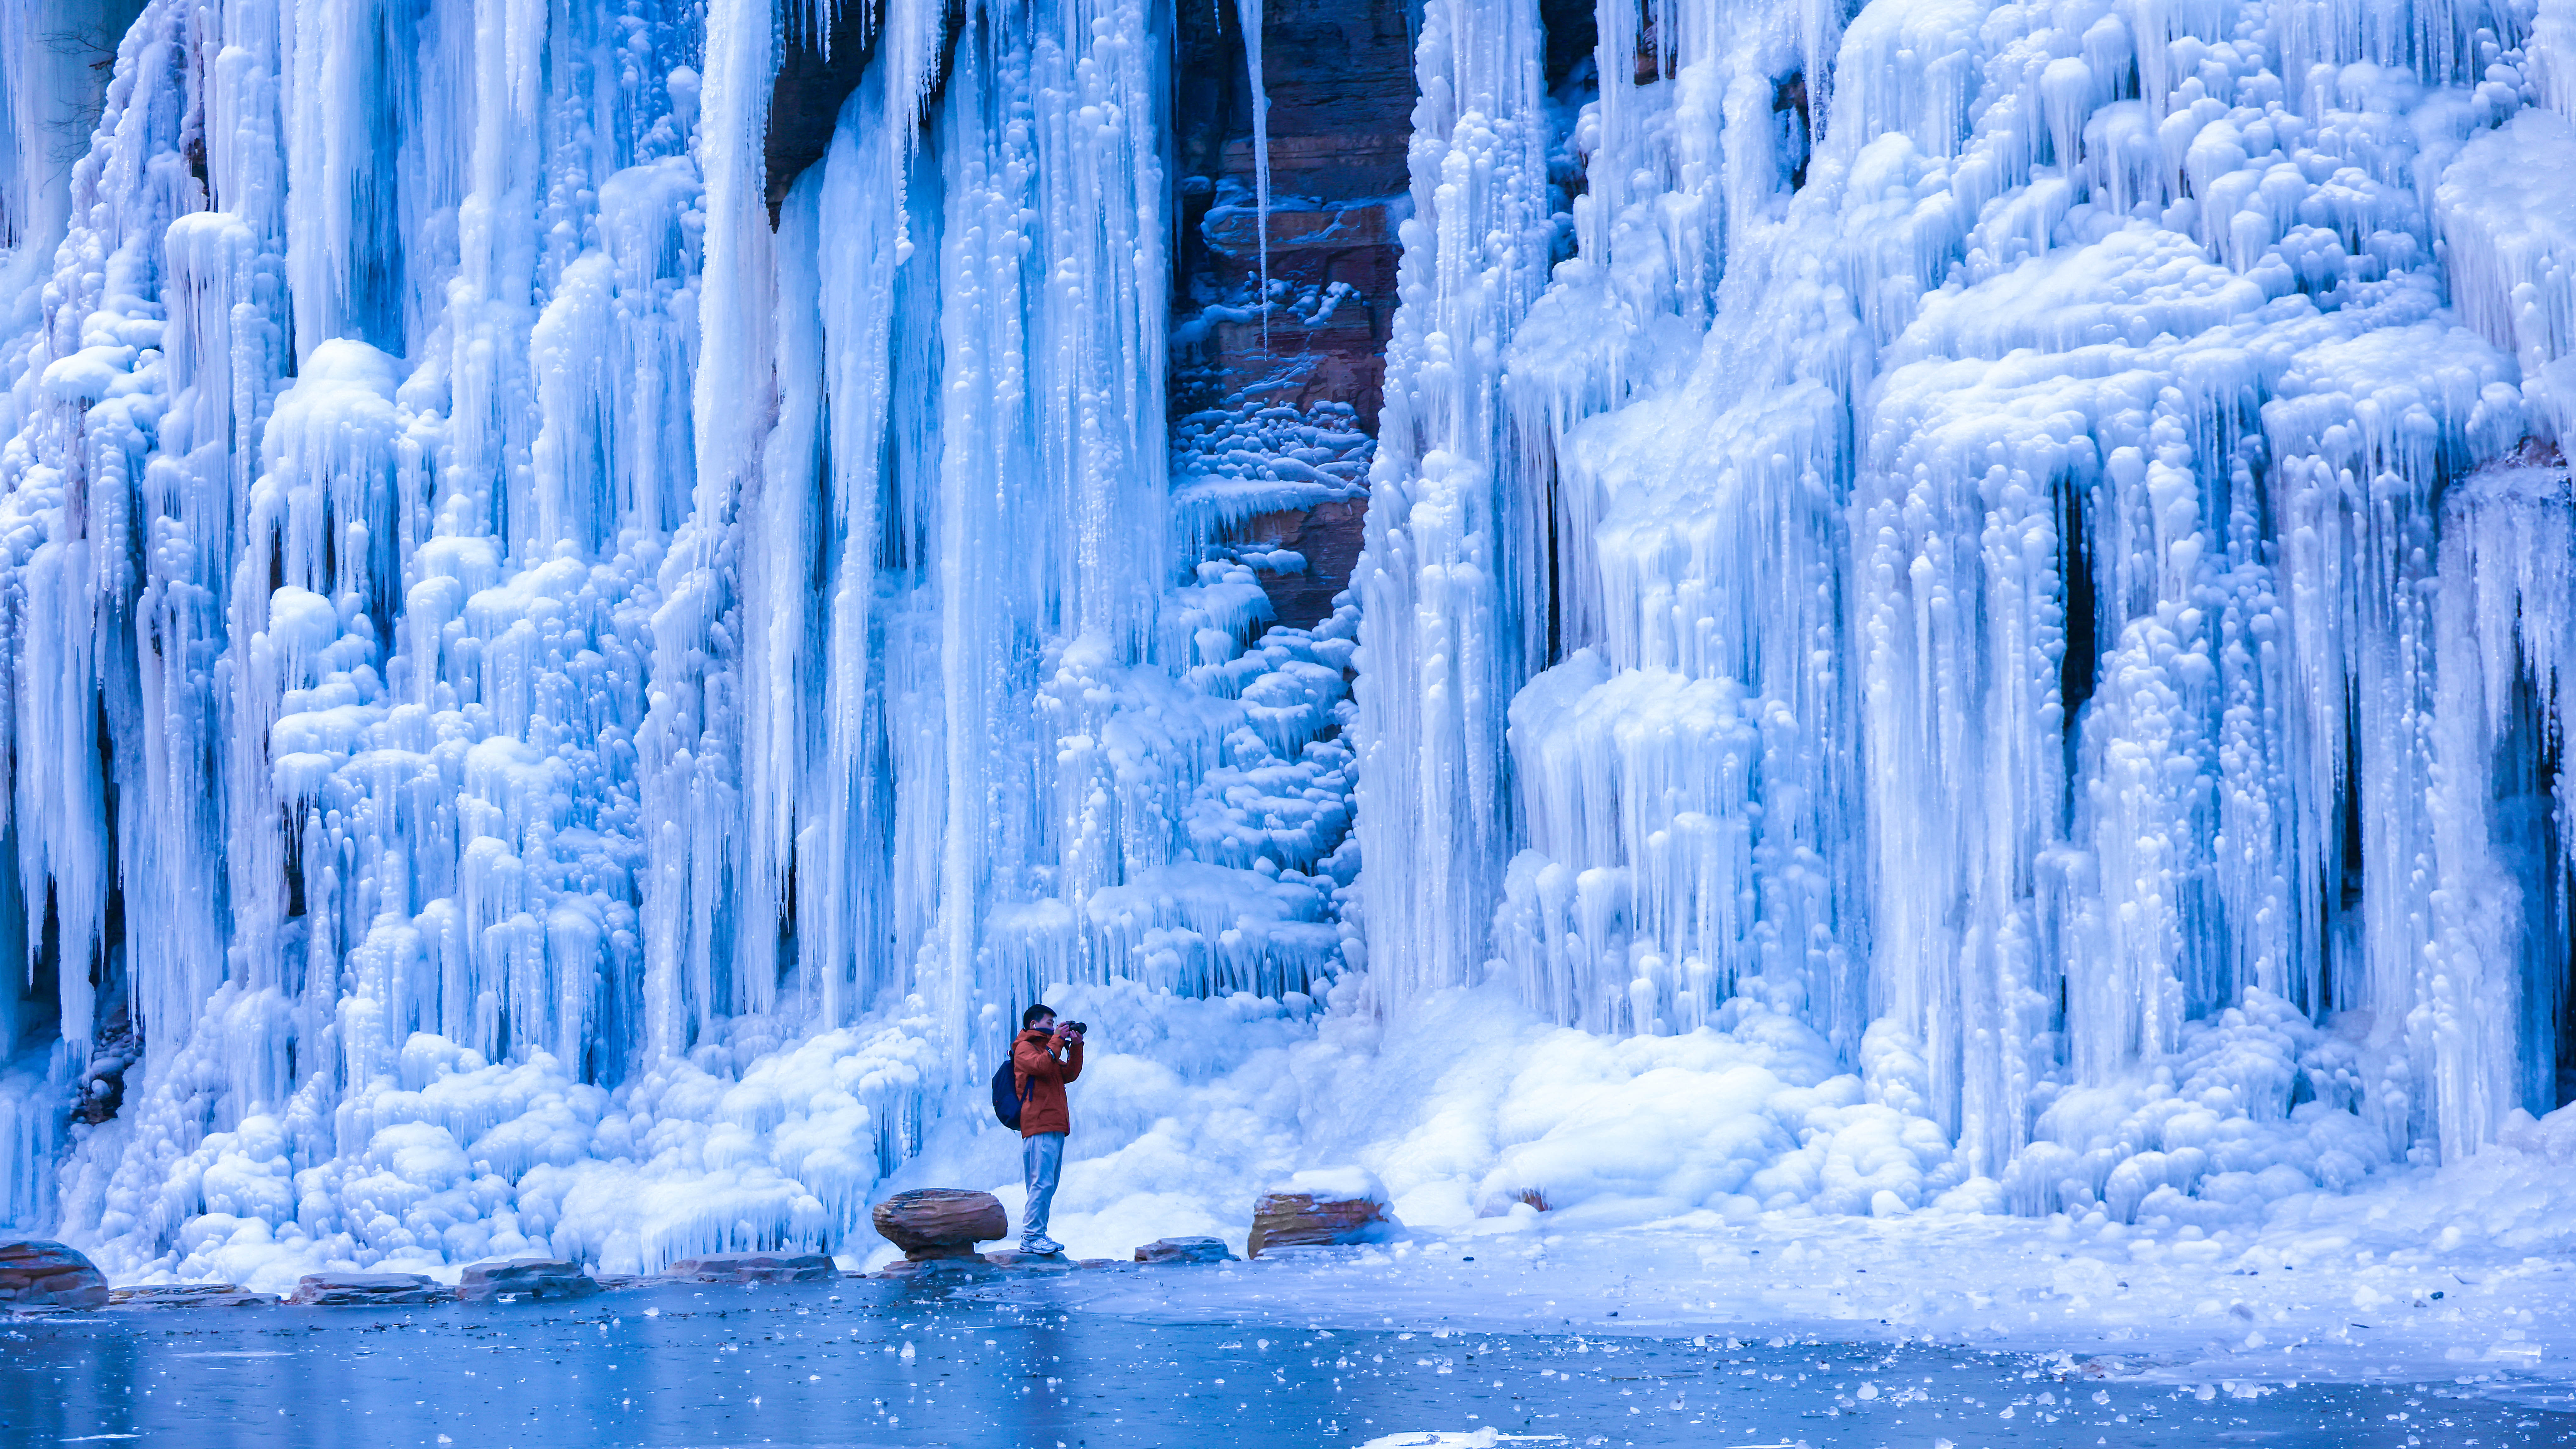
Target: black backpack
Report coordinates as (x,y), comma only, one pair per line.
(1008,1099)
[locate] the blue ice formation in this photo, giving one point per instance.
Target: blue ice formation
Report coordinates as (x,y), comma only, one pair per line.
(547,707)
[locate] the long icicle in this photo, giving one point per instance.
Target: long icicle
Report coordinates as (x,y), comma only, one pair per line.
(1248,15)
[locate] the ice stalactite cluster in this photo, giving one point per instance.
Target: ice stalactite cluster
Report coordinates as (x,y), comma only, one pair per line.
(547,712)
(2013,592)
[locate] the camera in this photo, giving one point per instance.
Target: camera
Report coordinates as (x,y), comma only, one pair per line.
(1075,1027)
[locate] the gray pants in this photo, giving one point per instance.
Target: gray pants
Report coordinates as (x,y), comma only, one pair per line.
(1041,1159)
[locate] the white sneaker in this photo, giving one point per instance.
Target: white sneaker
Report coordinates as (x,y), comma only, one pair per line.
(1041,1245)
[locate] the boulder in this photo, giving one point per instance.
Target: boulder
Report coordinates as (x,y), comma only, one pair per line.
(754,1268)
(364,1290)
(1314,1209)
(525,1278)
(39,1274)
(940,1222)
(1185,1250)
(191,1295)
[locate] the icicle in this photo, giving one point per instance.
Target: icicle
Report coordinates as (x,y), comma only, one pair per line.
(1248,15)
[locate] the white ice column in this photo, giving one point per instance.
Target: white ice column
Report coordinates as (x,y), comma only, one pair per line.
(1452,607)
(88,390)
(2504,628)
(688,742)
(1957,618)
(878,272)
(316,555)
(1050,514)
(1696,552)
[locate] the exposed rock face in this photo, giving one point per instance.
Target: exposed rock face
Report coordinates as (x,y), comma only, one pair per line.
(754,1268)
(364,1290)
(1329,535)
(1339,79)
(1185,1250)
(525,1278)
(941,1222)
(1318,353)
(39,1274)
(191,1295)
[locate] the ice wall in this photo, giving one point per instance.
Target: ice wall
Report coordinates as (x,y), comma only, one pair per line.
(2009,592)
(547,713)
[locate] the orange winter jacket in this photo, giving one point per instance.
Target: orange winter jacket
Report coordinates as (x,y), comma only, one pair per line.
(1040,1075)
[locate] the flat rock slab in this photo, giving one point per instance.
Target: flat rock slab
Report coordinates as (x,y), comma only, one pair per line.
(754,1268)
(1185,1250)
(933,1268)
(361,1290)
(1299,1219)
(1042,1262)
(940,1222)
(525,1278)
(35,1273)
(191,1295)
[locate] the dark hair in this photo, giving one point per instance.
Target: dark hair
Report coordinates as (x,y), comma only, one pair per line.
(1030,1017)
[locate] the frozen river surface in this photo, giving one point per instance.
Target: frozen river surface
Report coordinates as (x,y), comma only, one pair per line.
(873,1363)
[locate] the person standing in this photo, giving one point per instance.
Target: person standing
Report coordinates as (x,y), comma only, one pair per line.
(1043,1059)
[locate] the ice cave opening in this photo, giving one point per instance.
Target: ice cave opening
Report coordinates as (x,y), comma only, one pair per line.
(1793,606)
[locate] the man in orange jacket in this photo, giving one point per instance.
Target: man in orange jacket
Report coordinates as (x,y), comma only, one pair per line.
(1043,1059)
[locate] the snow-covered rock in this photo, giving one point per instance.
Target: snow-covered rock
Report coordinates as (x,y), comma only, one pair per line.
(1321,1207)
(753,1268)
(191,1295)
(366,1290)
(540,1278)
(1184,1250)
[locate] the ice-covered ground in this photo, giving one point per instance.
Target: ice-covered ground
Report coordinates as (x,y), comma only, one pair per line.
(1728,1180)
(2411,1273)
(2417,1281)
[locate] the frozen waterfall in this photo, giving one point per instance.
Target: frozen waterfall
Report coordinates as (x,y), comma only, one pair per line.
(563,686)
(1980,544)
